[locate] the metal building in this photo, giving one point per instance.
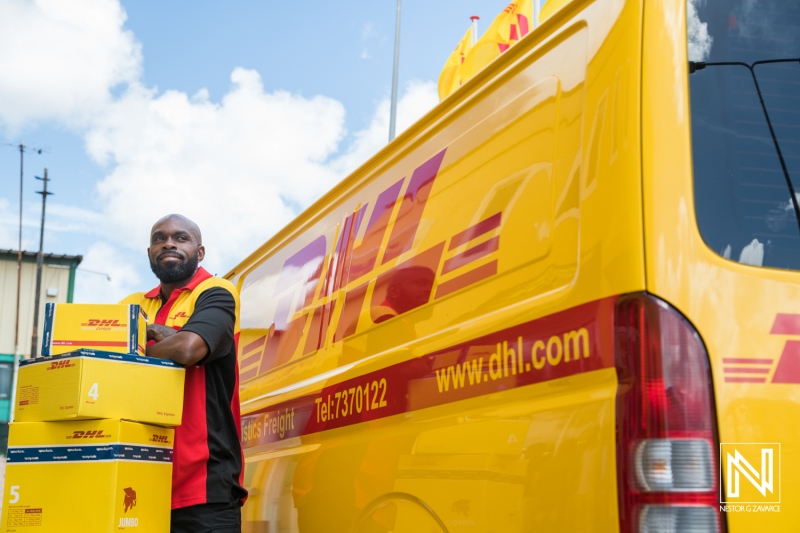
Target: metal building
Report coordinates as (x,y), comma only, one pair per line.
(58,285)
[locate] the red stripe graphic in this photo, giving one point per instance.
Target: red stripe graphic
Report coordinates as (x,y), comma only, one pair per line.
(89,343)
(253,372)
(742,361)
(252,359)
(253,345)
(745,380)
(465,280)
(473,254)
(786,324)
(745,370)
(559,345)
(473,232)
(247,361)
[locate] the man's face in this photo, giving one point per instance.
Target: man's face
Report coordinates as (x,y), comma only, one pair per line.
(174,251)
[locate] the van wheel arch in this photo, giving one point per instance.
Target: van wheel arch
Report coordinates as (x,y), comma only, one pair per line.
(378,502)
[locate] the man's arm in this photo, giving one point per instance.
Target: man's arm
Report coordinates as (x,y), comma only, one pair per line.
(207,335)
(184,347)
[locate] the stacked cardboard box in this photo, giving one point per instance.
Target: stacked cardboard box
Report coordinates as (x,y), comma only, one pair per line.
(111,328)
(91,446)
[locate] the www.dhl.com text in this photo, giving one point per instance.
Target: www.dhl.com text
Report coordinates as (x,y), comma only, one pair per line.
(512,359)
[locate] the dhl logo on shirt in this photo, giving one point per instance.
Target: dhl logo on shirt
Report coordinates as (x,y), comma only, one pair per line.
(324,273)
(99,324)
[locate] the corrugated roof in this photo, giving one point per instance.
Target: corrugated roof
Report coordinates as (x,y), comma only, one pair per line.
(64,257)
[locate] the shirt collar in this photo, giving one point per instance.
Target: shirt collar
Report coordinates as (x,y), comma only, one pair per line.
(200,276)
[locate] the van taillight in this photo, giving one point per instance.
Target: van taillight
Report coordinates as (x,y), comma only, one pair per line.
(666,426)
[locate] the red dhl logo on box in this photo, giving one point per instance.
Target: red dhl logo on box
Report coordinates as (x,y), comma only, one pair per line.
(90,434)
(56,365)
(103,324)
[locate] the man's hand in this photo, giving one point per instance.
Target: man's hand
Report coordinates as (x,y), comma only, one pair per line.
(158,332)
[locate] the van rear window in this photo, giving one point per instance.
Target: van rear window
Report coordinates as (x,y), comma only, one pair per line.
(746,153)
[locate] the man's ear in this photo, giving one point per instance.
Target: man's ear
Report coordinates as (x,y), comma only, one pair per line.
(148,252)
(201,253)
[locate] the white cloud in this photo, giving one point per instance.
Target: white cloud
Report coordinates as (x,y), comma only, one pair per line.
(9,226)
(59,60)
(103,259)
(241,167)
(68,218)
(752,254)
(238,168)
(369,38)
(61,218)
(699,39)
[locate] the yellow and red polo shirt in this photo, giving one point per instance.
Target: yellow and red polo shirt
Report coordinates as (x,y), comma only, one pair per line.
(208,460)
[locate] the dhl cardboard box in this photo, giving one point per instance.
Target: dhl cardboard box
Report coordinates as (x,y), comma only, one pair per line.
(112,328)
(87,476)
(95,384)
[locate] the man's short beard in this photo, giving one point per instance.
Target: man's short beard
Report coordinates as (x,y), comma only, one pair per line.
(178,271)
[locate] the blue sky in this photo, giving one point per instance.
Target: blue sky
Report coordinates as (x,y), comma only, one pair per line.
(149,107)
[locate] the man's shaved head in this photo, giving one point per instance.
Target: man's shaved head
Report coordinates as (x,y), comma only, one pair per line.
(176,248)
(187,224)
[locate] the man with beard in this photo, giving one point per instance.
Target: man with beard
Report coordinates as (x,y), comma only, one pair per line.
(194,321)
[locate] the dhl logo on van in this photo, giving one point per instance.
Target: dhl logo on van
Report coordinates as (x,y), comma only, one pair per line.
(324,276)
(57,365)
(560,345)
(102,324)
(96,434)
(757,369)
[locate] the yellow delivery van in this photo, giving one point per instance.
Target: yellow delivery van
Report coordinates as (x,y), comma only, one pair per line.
(567,299)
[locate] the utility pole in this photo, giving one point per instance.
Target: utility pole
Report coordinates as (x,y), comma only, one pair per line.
(39,261)
(17,352)
(22,149)
(393,110)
